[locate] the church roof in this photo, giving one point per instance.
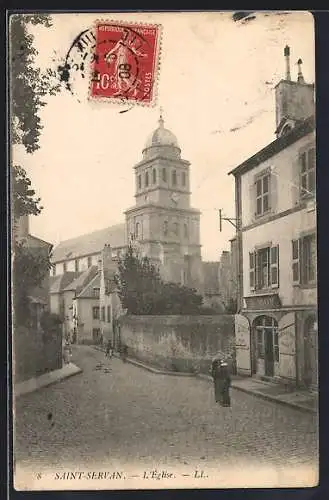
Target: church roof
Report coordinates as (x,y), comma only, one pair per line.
(91,243)
(161,137)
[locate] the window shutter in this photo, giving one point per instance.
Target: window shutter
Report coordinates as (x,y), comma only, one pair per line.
(296,262)
(274,266)
(273,192)
(296,180)
(252,267)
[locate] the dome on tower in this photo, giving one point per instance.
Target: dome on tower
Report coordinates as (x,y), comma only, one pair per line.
(161,137)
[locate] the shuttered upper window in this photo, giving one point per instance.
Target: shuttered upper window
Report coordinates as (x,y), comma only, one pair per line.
(264,268)
(307,173)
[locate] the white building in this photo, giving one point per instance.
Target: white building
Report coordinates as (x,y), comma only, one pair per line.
(276,330)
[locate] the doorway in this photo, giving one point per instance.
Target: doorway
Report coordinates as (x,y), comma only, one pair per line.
(267,340)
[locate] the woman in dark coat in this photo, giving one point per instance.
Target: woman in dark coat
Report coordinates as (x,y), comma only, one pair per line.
(222,381)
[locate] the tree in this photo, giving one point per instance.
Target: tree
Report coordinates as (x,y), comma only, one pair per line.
(28,84)
(28,88)
(30,268)
(142,291)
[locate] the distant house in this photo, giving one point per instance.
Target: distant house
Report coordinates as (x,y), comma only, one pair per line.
(212,297)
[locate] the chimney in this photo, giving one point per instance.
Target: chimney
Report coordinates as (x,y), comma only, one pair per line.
(300,77)
(287,57)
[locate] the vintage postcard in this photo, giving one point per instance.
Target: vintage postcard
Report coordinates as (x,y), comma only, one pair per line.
(163,221)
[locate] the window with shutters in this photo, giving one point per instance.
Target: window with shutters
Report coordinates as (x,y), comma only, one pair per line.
(262,188)
(304,260)
(95,312)
(307,173)
(264,268)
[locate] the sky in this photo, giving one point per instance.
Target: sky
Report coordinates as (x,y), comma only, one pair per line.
(216,87)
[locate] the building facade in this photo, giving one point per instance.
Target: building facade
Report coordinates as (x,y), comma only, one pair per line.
(276,328)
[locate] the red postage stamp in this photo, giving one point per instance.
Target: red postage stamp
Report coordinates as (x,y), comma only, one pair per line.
(125,62)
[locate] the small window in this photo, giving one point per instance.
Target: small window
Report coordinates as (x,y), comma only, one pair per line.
(89,261)
(154,176)
(95,312)
(165,228)
(164,174)
(174,177)
(146,179)
(103,313)
(183,178)
(307,173)
(139,181)
(76,264)
(96,293)
(263,195)
(137,230)
(176,228)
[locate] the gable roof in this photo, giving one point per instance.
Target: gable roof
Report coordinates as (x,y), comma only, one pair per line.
(91,243)
(80,282)
(304,128)
(62,281)
(88,290)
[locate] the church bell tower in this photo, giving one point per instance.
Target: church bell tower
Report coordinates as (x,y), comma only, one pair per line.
(162,224)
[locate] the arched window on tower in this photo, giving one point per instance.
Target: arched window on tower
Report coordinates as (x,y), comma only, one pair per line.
(176,228)
(154,175)
(146,179)
(183,178)
(164,174)
(165,228)
(137,230)
(139,181)
(174,177)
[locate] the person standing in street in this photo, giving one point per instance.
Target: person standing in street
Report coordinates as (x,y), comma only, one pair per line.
(109,350)
(222,381)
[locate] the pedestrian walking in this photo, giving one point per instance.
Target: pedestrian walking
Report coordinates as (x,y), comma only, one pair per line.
(109,350)
(222,381)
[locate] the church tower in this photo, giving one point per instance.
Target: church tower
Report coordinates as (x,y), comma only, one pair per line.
(162,223)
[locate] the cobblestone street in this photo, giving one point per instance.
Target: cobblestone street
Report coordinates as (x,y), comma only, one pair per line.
(128,416)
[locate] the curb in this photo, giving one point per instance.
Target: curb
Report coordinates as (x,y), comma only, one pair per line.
(36,383)
(203,376)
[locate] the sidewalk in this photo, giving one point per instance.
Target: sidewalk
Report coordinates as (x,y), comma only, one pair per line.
(299,399)
(35,383)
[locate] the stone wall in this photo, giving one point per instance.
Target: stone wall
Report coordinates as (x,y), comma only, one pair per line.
(179,343)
